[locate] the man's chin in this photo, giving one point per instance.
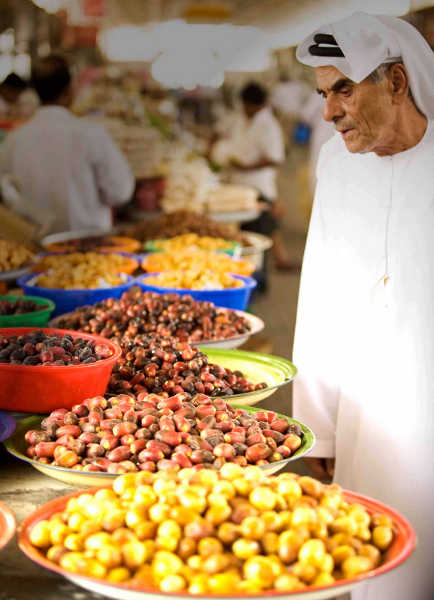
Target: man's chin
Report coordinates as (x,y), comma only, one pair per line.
(353,142)
(354,147)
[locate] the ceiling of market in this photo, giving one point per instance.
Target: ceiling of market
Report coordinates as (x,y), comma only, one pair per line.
(289,19)
(265,13)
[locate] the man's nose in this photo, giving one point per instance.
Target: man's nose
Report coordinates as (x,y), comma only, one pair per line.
(332,109)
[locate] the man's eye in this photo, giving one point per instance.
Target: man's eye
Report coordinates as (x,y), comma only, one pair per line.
(346,91)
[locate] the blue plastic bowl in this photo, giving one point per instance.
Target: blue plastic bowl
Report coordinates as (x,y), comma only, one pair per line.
(69,300)
(236,298)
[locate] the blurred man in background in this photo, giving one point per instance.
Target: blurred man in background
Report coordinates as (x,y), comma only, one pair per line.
(11,89)
(253,149)
(68,172)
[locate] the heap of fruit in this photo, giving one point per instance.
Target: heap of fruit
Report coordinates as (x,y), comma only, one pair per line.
(123,434)
(14,256)
(181,222)
(166,315)
(82,270)
(20,306)
(235,531)
(151,364)
(38,348)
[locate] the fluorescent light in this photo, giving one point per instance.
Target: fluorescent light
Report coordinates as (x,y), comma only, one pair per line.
(187,69)
(128,43)
(227,45)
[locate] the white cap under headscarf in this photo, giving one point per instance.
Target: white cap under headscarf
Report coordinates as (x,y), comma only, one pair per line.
(368,41)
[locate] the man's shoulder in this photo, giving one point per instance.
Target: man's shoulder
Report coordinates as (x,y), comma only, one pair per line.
(87,126)
(20,132)
(265,116)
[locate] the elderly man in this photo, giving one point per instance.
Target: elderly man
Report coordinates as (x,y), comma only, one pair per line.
(364,340)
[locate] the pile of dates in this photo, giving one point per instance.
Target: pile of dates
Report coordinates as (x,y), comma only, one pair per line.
(156,365)
(217,534)
(19,307)
(37,348)
(181,222)
(124,434)
(138,312)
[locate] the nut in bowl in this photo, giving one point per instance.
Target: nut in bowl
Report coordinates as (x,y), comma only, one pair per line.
(236,532)
(68,445)
(29,384)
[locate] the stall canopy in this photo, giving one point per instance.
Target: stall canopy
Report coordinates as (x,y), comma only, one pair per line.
(211,37)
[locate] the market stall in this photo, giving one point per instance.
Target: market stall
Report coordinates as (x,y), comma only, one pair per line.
(176,415)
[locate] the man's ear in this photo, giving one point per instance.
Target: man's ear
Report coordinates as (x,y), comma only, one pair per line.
(399,82)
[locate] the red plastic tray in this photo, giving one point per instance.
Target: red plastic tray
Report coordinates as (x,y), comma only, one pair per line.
(25,388)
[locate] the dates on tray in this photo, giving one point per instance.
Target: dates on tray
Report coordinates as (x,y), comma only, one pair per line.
(156,432)
(179,317)
(152,364)
(19,307)
(236,532)
(181,222)
(38,348)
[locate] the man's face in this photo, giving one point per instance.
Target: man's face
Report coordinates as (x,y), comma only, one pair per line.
(10,94)
(362,112)
(250,109)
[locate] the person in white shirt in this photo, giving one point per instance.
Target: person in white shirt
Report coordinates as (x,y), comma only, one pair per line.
(11,89)
(254,149)
(364,340)
(69,172)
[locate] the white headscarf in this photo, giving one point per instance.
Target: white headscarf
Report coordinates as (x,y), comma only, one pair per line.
(368,41)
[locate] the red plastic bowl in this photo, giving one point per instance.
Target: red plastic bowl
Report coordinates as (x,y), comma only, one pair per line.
(400,550)
(26,388)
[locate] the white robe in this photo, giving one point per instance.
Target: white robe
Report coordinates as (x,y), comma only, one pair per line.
(364,342)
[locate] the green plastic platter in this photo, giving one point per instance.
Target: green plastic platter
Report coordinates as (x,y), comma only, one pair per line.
(257,367)
(17,445)
(38,318)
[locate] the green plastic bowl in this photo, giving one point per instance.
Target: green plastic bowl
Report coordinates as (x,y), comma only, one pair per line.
(38,318)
